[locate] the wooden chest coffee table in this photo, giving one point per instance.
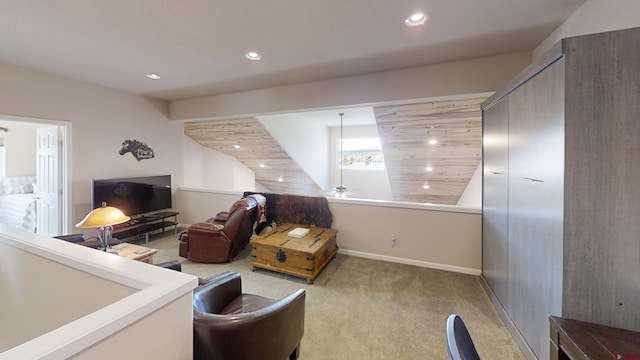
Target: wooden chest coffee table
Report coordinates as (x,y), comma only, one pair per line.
(304,257)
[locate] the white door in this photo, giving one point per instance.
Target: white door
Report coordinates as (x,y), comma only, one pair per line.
(48,192)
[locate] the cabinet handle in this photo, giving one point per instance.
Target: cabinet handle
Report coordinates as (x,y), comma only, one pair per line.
(531,180)
(497,173)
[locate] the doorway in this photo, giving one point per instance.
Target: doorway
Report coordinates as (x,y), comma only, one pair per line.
(40,148)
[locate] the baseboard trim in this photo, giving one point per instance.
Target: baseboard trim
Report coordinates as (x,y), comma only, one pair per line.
(424,264)
(183,226)
(506,319)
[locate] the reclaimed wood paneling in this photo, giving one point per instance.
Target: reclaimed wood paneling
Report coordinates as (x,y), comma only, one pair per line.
(256,147)
(405,131)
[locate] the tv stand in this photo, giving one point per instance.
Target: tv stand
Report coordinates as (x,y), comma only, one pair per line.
(146,224)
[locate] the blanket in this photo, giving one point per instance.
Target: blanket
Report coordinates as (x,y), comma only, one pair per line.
(19,211)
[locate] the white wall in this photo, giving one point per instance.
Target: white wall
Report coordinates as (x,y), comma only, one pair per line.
(211,169)
(2,158)
(306,142)
(20,148)
(243,177)
(200,204)
(428,236)
(472,195)
(593,17)
(101,119)
(193,164)
(448,79)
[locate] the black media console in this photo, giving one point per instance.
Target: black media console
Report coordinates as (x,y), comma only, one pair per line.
(145,225)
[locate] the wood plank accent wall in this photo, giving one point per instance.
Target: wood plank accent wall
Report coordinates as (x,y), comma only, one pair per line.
(405,131)
(257,147)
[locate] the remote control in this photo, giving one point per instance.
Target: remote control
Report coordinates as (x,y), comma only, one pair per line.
(141,251)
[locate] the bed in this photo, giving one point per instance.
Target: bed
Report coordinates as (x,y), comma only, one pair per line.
(18,203)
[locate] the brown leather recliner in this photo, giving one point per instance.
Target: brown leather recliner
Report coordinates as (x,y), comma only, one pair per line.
(220,238)
(231,325)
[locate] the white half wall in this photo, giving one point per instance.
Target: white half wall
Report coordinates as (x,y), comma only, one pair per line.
(440,237)
(61,300)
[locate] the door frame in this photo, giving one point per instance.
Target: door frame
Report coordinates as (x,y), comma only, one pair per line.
(64,165)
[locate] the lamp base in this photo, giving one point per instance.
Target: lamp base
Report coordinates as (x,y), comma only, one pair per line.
(104,235)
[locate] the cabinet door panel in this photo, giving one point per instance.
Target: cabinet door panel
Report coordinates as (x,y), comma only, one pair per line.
(536,152)
(536,127)
(495,197)
(602,227)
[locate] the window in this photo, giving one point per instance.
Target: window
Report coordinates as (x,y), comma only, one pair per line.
(361,154)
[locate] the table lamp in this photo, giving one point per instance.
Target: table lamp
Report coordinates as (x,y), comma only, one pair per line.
(103,219)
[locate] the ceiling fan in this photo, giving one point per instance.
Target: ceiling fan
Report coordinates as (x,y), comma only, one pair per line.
(341,190)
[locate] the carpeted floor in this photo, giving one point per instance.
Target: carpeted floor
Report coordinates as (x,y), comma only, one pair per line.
(368,309)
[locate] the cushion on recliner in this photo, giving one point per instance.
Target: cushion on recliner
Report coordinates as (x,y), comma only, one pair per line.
(222,216)
(204,227)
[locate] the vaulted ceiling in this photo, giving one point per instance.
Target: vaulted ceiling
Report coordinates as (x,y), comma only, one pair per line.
(404,130)
(197,47)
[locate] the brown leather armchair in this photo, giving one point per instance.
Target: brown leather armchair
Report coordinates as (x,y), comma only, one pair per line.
(222,237)
(231,325)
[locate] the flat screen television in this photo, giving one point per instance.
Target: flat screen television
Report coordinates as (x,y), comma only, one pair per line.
(134,195)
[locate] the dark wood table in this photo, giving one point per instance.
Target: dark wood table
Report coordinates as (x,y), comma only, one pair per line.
(578,340)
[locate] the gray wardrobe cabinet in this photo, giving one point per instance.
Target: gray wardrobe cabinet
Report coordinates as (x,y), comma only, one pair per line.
(561,189)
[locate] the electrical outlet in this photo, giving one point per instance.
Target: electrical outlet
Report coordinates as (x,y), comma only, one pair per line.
(394,240)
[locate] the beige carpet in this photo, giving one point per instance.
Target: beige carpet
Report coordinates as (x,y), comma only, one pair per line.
(367,309)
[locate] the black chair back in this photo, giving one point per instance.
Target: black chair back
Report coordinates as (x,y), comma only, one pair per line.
(459,341)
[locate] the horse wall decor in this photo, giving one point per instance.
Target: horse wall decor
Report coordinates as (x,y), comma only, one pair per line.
(138,149)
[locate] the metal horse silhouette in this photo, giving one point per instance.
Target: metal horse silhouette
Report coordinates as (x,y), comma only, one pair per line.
(138,149)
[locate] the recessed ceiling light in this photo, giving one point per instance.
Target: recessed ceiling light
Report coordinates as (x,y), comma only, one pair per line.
(153,76)
(425,187)
(252,55)
(280,179)
(433,141)
(236,146)
(261,165)
(429,168)
(416,19)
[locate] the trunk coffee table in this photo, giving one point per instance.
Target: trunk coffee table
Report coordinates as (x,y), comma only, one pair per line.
(304,257)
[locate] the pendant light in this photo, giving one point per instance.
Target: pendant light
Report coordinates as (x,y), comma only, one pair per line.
(341,190)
